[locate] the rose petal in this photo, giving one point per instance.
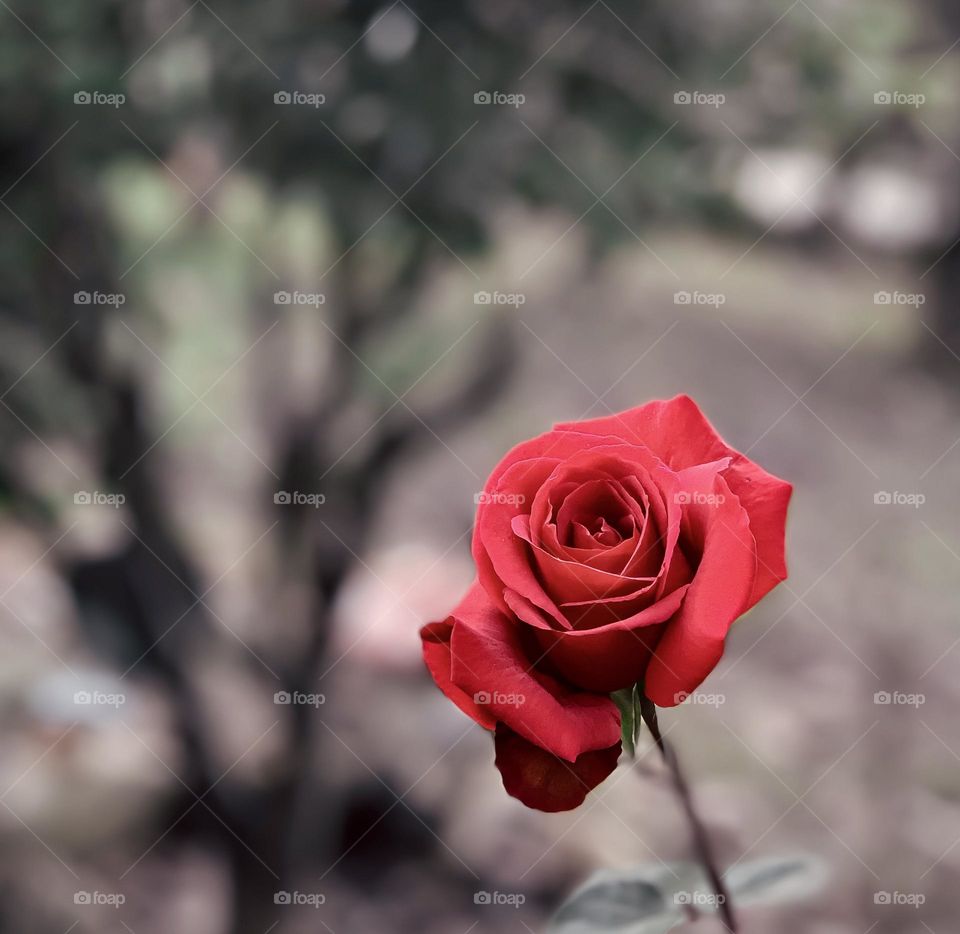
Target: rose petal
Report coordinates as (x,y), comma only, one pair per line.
(648,557)
(545,782)
(613,559)
(605,658)
(436,654)
(603,599)
(488,658)
(495,549)
(501,557)
(569,577)
(592,500)
(674,571)
(693,642)
(681,435)
(566,581)
(556,445)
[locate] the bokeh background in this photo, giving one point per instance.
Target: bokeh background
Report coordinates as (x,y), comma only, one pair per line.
(279,284)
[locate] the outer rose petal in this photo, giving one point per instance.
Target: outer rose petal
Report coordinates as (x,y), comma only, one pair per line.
(606,658)
(545,782)
(436,654)
(499,554)
(692,643)
(679,433)
(488,657)
(559,445)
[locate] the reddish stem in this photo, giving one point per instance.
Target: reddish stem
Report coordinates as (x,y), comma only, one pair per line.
(701,839)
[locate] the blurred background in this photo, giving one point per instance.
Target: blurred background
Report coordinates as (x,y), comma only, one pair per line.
(281,282)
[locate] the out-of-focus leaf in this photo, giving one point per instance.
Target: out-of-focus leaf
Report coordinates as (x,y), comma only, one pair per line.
(654,899)
(778,879)
(641,900)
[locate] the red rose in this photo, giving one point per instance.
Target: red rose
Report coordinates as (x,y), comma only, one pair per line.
(609,552)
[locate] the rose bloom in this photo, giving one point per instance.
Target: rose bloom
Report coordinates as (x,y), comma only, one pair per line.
(609,552)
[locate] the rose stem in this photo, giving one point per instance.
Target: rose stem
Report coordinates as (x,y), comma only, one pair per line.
(701,840)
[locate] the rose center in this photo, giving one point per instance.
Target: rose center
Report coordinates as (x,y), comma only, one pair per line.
(595,514)
(605,533)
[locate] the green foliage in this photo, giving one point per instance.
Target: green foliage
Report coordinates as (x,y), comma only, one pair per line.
(628,701)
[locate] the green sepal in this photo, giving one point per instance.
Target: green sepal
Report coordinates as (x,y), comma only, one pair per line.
(628,700)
